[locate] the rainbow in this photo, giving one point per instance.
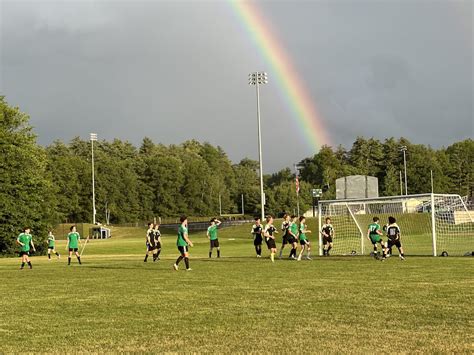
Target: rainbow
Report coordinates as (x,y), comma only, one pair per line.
(282,72)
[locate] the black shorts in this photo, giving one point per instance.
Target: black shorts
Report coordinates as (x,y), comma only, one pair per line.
(151,247)
(291,239)
(285,239)
(304,241)
(158,245)
(392,243)
(52,248)
(270,243)
(327,240)
(27,253)
(257,241)
(183,250)
(73,249)
(215,243)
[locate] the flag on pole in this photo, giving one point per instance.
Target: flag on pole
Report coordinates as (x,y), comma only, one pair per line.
(297,182)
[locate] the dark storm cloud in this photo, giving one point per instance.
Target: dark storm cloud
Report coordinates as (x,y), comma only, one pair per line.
(177,70)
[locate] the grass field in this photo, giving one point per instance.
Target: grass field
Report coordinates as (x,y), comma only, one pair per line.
(115,302)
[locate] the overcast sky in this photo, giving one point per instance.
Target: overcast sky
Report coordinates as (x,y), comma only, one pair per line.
(177,70)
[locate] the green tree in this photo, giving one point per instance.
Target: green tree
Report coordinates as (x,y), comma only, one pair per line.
(25,194)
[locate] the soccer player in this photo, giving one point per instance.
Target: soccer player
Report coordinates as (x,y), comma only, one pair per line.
(25,240)
(328,233)
(183,242)
(157,238)
(305,244)
(268,233)
(374,234)
(73,241)
(51,245)
(393,234)
(285,228)
(212,236)
(257,231)
(150,241)
(293,238)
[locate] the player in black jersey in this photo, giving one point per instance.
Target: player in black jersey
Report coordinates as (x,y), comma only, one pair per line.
(394,238)
(269,234)
(257,232)
(150,241)
(327,232)
(285,228)
(293,238)
(157,236)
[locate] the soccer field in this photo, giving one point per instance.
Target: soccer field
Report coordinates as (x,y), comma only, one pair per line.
(115,302)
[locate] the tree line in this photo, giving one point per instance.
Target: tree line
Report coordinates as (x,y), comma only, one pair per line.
(43,186)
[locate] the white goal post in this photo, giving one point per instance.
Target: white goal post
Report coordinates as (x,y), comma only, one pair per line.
(430,224)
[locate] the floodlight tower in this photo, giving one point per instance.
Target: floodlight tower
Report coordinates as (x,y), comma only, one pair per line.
(93,137)
(403,149)
(257,79)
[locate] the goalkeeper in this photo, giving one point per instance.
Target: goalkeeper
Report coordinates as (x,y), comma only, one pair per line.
(374,234)
(327,232)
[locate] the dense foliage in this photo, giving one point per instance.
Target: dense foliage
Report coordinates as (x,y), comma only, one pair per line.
(42,186)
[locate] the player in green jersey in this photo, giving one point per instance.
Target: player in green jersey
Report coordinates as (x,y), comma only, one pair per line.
(73,242)
(327,232)
(25,240)
(293,238)
(183,242)
(51,245)
(374,235)
(212,236)
(305,244)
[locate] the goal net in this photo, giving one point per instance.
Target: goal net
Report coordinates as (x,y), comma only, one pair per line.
(430,224)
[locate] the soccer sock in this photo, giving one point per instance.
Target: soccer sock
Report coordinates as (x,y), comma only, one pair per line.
(281,252)
(272,256)
(57,254)
(178,260)
(146,258)
(29,264)
(69,260)
(186,262)
(79,259)
(218,253)
(155,256)
(22,265)
(308,253)
(49,256)
(158,254)
(210,254)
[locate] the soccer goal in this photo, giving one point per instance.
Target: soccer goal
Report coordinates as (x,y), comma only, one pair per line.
(430,224)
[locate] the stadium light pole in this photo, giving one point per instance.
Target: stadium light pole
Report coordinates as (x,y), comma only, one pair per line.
(257,79)
(403,149)
(93,138)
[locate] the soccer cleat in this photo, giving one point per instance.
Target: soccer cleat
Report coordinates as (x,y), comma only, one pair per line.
(402,257)
(259,256)
(189,269)
(308,258)
(176,267)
